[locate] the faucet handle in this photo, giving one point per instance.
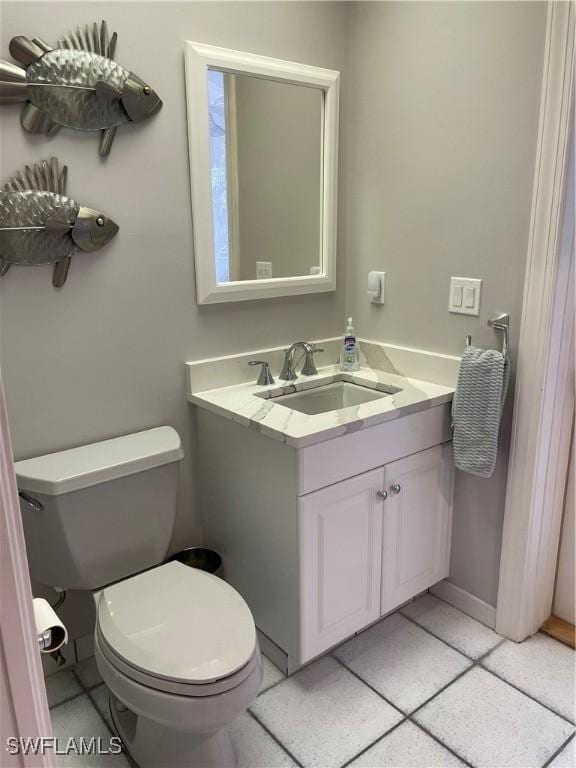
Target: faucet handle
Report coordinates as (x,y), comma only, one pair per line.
(265,378)
(309,367)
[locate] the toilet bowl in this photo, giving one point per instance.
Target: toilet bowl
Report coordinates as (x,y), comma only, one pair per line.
(178,652)
(176,646)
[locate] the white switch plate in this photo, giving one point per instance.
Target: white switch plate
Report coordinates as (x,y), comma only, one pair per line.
(263,270)
(465,295)
(376,287)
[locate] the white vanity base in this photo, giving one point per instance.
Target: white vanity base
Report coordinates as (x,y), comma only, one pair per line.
(305,537)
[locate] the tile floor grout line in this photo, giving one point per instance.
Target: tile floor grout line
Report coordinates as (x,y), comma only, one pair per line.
(403,719)
(412,712)
(109,728)
(275,738)
(453,647)
(439,740)
(65,701)
(373,743)
(560,749)
(361,679)
(408,716)
(458,677)
(274,685)
(460,610)
(480,659)
(528,695)
(91,700)
(478,662)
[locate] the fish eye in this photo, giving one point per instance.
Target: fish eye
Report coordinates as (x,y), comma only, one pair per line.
(146,90)
(100,221)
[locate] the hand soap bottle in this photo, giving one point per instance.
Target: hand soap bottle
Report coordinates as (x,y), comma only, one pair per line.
(350,355)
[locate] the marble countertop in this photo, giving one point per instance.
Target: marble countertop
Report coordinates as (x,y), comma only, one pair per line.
(255,406)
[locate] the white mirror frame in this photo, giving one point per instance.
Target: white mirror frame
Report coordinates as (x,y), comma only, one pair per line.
(199,58)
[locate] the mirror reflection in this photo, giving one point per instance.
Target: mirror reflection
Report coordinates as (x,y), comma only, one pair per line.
(266,175)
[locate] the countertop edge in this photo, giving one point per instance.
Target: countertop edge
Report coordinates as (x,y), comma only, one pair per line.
(328,433)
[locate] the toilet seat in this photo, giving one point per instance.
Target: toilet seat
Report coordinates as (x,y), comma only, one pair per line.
(188,689)
(177,629)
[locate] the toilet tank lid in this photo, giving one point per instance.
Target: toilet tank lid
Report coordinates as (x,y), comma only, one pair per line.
(77,468)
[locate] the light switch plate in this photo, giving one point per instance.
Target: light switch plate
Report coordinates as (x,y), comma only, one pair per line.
(263,270)
(465,295)
(376,287)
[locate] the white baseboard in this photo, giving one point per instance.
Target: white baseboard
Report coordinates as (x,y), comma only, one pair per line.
(273,652)
(465,602)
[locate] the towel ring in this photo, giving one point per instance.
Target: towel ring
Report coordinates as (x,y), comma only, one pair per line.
(501,323)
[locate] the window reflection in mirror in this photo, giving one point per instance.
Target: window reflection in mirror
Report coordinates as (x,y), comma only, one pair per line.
(266,176)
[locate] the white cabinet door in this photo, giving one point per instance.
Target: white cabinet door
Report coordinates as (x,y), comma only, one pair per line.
(340,567)
(417,524)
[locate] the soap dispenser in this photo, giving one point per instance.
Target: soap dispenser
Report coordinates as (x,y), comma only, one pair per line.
(350,355)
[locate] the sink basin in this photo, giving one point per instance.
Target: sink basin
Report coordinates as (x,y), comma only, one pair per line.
(330,397)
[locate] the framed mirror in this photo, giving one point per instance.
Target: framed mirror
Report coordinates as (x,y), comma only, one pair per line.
(263,141)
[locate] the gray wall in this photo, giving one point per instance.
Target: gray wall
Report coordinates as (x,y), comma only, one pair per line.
(442,115)
(104,355)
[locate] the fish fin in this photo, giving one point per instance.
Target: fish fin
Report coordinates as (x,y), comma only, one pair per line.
(34,120)
(26,51)
(112,46)
(13,85)
(106,91)
(92,38)
(44,176)
(60,272)
(107,140)
(104,38)
(42,44)
(53,129)
(4,267)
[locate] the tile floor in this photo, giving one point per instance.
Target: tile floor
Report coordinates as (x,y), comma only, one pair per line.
(428,687)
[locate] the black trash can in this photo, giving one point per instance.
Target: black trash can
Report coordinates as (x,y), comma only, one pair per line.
(202,558)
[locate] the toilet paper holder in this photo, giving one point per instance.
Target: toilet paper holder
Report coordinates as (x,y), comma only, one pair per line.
(45,640)
(50,631)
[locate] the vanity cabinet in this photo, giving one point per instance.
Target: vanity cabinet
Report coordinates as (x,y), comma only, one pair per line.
(305,535)
(370,543)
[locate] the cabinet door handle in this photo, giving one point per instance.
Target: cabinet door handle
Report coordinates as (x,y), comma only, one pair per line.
(395,488)
(381,495)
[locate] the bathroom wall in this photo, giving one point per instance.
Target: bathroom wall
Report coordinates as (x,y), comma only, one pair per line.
(104,355)
(441,125)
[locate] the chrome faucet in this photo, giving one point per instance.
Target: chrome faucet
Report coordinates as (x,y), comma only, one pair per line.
(308,369)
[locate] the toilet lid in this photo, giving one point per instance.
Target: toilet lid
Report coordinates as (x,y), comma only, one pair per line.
(178,623)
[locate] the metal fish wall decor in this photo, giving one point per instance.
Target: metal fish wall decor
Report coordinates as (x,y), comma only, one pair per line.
(39,224)
(77,84)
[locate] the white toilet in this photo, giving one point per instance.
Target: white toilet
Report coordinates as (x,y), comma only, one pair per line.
(176,647)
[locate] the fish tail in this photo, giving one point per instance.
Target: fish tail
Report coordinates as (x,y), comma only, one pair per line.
(13,85)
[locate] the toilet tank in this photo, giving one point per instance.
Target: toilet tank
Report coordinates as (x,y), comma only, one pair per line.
(101,512)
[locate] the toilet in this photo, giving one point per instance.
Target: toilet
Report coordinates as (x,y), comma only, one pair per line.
(176,647)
